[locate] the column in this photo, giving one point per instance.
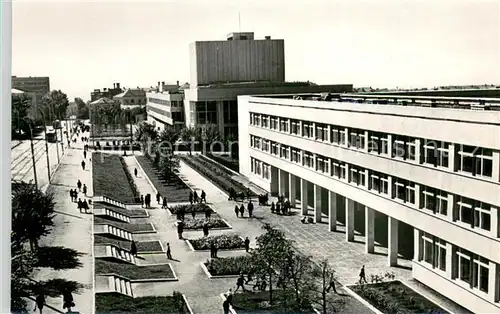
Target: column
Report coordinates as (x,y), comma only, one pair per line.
(493,282)
(349,220)
(452,153)
(317,203)
(390,189)
(416,245)
(449,260)
(303,196)
(292,189)
(314,131)
(367,140)
(450,206)
(369,230)
(328,133)
(417,196)
(392,242)
(495,221)
(389,144)
(418,148)
(346,137)
(300,128)
(281,182)
(332,211)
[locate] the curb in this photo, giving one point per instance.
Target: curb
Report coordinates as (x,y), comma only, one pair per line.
(428,298)
(231,310)
(187,304)
(210,276)
(360,299)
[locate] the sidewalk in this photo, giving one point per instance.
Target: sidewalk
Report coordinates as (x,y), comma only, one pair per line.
(72,229)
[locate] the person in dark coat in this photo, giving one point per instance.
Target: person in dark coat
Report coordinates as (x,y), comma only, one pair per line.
(212,250)
(85,206)
(240,282)
(133,248)
(225,306)
(85,189)
(169,252)
(71,195)
(158,198)
(180,229)
(278,208)
(164,203)
(205,229)
(191,198)
(208,213)
(40,300)
(203,196)
(247,244)
(236,210)
(195,197)
(142,200)
(135,172)
(331,286)
(79,185)
(83,165)
(85,154)
(80,205)
(250,208)
(68,301)
(242,210)
(272,207)
(216,249)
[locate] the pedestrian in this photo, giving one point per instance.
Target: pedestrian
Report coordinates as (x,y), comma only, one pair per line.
(362,276)
(83,165)
(71,194)
(180,229)
(250,208)
(169,253)
(205,229)
(225,306)
(85,190)
(158,198)
(191,197)
(240,282)
(84,154)
(135,172)
(195,196)
(331,286)
(247,244)
(142,200)
(208,213)
(79,185)
(216,249)
(39,300)
(236,210)
(272,207)
(80,204)
(212,250)
(85,206)
(164,202)
(68,301)
(278,208)
(193,213)
(242,210)
(203,196)
(229,296)
(133,248)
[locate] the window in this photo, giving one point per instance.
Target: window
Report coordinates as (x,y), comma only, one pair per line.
(265,171)
(378,143)
(257,119)
(357,138)
(252,118)
(404,190)
(322,164)
(284,125)
(404,147)
(257,142)
(274,148)
(265,145)
(464,265)
(475,160)
(434,200)
(252,164)
(357,175)
(307,159)
(295,155)
(379,182)
(285,153)
(295,127)
(474,213)
(321,132)
(338,169)
(337,135)
(273,122)
(265,121)
(230,108)
(307,129)
(435,153)
(434,251)
(480,273)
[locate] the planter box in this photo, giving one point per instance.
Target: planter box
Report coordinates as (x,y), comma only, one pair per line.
(208,250)
(228,227)
(210,276)
(174,278)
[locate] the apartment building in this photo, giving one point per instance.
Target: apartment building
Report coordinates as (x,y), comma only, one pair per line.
(431,164)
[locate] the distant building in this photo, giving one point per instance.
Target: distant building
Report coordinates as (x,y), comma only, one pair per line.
(104,101)
(34,87)
(165,106)
(475,92)
(131,98)
(106,92)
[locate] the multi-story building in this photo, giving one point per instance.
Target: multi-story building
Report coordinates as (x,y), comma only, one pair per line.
(417,162)
(106,92)
(131,98)
(165,106)
(34,88)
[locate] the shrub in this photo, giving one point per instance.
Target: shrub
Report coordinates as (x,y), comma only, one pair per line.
(198,223)
(227,242)
(229,265)
(199,208)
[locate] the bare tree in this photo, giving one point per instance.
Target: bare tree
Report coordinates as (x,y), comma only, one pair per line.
(325,276)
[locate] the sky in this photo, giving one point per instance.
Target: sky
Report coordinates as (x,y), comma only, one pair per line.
(84,45)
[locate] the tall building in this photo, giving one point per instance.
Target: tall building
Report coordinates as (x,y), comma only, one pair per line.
(418,163)
(34,88)
(106,92)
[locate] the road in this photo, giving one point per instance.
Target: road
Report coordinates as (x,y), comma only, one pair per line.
(22,162)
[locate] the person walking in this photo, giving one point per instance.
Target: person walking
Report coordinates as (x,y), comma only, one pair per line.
(216,249)
(158,198)
(39,300)
(250,209)
(164,206)
(247,244)
(205,229)
(272,207)
(229,296)
(331,286)
(195,197)
(68,301)
(84,154)
(85,206)
(80,205)
(135,172)
(83,165)
(169,252)
(191,198)
(203,196)
(85,190)
(208,213)
(212,250)
(180,229)
(71,195)
(225,306)
(240,282)
(236,210)
(79,185)
(242,210)
(133,248)
(142,200)
(362,276)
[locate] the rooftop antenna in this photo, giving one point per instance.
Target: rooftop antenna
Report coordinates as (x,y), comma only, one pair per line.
(239,21)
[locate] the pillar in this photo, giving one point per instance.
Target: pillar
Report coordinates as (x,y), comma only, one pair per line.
(369,230)
(496,166)
(332,211)
(495,221)
(452,153)
(416,245)
(449,261)
(317,203)
(450,206)
(303,196)
(349,220)
(493,282)
(291,189)
(281,182)
(392,242)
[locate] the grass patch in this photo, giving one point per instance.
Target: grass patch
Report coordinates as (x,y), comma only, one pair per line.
(258,302)
(133,272)
(173,187)
(114,303)
(226,161)
(144,246)
(394,296)
(130,179)
(110,179)
(223,242)
(197,208)
(226,266)
(195,224)
(125,226)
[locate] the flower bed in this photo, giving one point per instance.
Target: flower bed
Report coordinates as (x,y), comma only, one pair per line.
(216,162)
(394,296)
(114,303)
(213,223)
(229,266)
(223,242)
(130,179)
(134,272)
(109,178)
(258,302)
(198,208)
(174,188)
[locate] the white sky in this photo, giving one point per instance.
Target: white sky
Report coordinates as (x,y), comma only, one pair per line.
(83,45)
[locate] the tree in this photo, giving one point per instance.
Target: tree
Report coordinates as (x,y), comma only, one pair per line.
(324,275)
(54,106)
(20,107)
(299,272)
(191,135)
(147,135)
(82,109)
(169,135)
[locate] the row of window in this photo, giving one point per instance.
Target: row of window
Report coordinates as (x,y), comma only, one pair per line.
(474,214)
(134,102)
(260,168)
(169,103)
(159,111)
(471,160)
(465,266)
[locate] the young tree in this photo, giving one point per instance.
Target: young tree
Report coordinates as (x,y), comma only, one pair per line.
(325,275)
(299,274)
(82,109)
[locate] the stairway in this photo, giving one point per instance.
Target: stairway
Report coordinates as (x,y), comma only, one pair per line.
(110,284)
(109,201)
(111,251)
(112,214)
(113,231)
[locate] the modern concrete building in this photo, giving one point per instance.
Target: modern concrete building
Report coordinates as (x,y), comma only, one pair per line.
(165,106)
(106,92)
(34,87)
(131,98)
(429,166)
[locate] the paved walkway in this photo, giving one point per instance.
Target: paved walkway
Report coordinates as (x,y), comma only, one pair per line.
(72,229)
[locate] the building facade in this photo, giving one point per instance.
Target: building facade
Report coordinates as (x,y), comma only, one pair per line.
(34,87)
(240,58)
(433,170)
(131,98)
(165,108)
(106,92)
